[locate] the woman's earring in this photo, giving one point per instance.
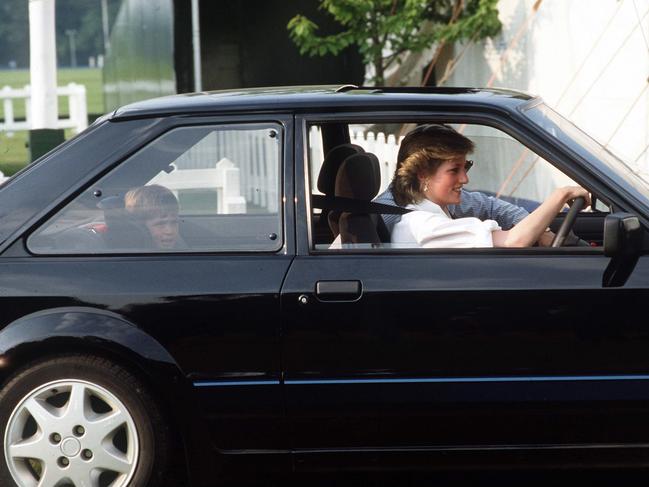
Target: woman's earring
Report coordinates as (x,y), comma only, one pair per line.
(425,186)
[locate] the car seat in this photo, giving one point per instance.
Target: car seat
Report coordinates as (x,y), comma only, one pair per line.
(326,227)
(123,232)
(359,179)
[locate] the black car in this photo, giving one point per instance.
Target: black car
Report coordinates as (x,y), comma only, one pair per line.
(177,304)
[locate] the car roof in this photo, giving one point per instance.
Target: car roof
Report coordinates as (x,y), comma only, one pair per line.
(309,98)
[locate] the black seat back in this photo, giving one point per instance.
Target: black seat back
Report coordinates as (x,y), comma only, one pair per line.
(326,228)
(123,231)
(359,178)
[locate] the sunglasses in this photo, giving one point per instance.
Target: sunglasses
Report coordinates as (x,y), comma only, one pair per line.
(468,165)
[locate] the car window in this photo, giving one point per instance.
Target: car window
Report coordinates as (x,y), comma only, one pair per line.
(503,168)
(506,168)
(207,188)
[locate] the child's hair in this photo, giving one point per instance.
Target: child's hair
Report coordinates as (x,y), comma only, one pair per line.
(148,202)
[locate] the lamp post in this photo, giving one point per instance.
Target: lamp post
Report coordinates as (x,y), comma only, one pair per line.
(196,44)
(71,33)
(104,25)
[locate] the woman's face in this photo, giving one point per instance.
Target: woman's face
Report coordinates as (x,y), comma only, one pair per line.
(444,185)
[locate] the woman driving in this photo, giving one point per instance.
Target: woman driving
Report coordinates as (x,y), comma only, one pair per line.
(432,177)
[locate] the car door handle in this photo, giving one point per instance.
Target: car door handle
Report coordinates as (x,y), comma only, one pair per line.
(338,290)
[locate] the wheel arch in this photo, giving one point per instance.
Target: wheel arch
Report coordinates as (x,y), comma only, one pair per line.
(81,330)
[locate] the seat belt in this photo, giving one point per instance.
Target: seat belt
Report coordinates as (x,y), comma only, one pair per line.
(355,206)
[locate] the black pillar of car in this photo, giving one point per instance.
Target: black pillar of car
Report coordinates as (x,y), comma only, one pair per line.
(334,134)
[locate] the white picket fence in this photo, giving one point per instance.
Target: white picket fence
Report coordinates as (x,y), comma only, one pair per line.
(241,166)
(384,147)
(246,173)
(255,156)
(77,108)
(224,178)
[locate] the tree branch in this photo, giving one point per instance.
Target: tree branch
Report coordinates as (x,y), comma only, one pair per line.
(457,8)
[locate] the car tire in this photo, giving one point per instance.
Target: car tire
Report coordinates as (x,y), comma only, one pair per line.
(80,420)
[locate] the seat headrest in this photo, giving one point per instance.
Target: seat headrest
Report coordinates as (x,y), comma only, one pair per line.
(359,177)
(331,164)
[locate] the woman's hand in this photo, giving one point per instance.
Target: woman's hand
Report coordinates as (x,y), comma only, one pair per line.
(530,229)
(570,193)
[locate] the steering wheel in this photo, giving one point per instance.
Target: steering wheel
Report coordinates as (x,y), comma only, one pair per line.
(566,226)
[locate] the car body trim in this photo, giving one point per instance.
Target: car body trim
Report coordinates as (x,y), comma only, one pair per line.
(469,379)
(475,448)
(237,383)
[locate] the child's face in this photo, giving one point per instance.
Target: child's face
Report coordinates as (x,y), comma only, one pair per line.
(164,229)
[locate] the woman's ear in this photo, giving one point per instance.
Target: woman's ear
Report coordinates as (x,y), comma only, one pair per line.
(423,182)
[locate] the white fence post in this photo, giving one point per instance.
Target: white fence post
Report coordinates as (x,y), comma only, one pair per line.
(28,107)
(389,160)
(77,102)
(230,199)
(8,105)
(77,106)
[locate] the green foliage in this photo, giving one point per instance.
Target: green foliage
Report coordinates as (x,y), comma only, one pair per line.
(14,32)
(383,30)
(480,20)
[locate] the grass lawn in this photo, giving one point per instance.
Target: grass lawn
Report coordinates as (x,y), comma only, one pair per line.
(13,152)
(90,77)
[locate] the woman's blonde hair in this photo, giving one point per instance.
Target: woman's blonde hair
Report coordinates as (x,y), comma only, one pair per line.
(422,152)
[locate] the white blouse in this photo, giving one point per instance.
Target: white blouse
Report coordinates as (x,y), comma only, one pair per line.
(431,227)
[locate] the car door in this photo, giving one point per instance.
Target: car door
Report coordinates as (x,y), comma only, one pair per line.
(210,295)
(459,348)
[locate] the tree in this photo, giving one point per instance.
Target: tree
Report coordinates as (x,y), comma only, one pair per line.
(14,32)
(84,19)
(384,30)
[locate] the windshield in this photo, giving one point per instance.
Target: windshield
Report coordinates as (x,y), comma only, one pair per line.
(591,150)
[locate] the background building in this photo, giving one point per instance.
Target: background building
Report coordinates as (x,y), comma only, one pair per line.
(588,60)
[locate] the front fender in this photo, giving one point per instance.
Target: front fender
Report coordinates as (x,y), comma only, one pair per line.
(88,330)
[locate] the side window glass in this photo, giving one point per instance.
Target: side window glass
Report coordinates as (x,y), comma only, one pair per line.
(194,189)
(500,178)
(505,168)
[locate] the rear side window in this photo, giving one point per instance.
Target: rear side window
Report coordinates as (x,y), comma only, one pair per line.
(194,189)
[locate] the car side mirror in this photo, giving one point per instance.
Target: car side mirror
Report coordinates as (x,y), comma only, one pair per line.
(623,243)
(622,235)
